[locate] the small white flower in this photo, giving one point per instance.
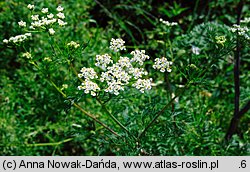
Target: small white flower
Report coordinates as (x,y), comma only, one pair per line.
(167,23)
(89,87)
(61,15)
(51,31)
(50,16)
(137,72)
(114,87)
(162,64)
(36,24)
(28,34)
(35,17)
(45,10)
(195,50)
(143,84)
(31,7)
(73,44)
(22,23)
(124,62)
(87,73)
(103,60)
(59,8)
(61,23)
(32,27)
(27,55)
(19,38)
(139,56)
(47,59)
(5,41)
(242,31)
(246,20)
(117,45)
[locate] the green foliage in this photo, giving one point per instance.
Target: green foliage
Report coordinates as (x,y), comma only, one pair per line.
(39,96)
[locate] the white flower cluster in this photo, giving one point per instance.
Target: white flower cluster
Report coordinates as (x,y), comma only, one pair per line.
(22,23)
(27,55)
(73,44)
(162,64)
(89,87)
(47,20)
(59,8)
(17,39)
(60,15)
(241,30)
(246,20)
(139,56)
(116,77)
(117,45)
(137,72)
(31,7)
(118,74)
(41,23)
(143,84)
(51,31)
(45,10)
(167,23)
(103,60)
(87,73)
(124,62)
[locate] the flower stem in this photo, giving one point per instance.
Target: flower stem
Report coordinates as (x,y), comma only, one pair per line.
(95,119)
(78,106)
(113,117)
(50,144)
(102,104)
(83,111)
(159,113)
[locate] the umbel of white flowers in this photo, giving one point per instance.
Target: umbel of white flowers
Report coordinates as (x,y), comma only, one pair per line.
(243,31)
(117,75)
(39,21)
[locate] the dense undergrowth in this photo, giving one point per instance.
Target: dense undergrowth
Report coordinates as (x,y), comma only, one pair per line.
(186,111)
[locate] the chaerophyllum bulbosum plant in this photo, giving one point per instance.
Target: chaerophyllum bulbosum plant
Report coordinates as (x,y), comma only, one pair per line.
(111,73)
(108,76)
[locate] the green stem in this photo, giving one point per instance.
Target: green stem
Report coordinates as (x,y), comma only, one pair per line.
(102,104)
(85,112)
(194,15)
(74,71)
(95,119)
(165,46)
(52,43)
(112,116)
(77,106)
(50,144)
(159,113)
(171,49)
(58,89)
